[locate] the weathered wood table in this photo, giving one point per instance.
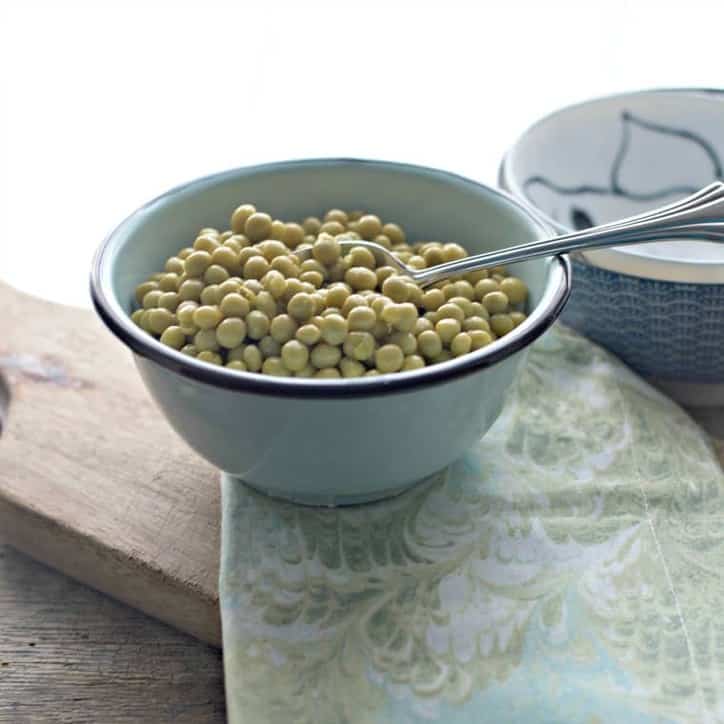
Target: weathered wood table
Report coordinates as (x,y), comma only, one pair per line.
(70,654)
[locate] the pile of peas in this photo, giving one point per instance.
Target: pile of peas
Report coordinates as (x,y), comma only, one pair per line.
(242,299)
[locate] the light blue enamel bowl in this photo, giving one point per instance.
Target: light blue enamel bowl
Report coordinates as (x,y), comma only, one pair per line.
(328,442)
(659,308)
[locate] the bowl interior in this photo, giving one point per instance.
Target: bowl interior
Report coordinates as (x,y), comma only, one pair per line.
(613,157)
(429,204)
(610,158)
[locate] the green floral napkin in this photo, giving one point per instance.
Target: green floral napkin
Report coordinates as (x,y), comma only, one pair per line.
(569,569)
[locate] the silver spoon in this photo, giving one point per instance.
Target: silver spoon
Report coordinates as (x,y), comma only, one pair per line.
(699,216)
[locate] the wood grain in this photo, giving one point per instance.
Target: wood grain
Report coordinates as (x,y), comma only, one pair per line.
(69,654)
(92,479)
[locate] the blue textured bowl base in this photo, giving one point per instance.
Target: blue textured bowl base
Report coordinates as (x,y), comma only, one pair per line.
(666,331)
(330,500)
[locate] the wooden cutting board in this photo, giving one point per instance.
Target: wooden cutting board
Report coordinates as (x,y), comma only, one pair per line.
(95,483)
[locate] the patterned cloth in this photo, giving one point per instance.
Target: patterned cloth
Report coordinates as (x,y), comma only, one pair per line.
(569,569)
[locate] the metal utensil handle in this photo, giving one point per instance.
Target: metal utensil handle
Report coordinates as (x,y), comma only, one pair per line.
(699,216)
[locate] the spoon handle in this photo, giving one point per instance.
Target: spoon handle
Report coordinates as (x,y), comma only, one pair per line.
(699,216)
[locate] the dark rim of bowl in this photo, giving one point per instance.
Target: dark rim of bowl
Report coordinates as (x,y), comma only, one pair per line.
(146,346)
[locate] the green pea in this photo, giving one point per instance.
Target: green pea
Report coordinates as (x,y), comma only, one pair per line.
(152,298)
(252,358)
(257,324)
(143,289)
(159,319)
(234,305)
(351,367)
(269,347)
(197,263)
(461,344)
(209,356)
(207,317)
(231,332)
(205,340)
(326,249)
(360,346)
(301,306)
(447,329)
(361,319)
(429,344)
(389,358)
(515,289)
(239,217)
(275,367)
(295,355)
(283,328)
(308,334)
(325,355)
(501,324)
(413,362)
(258,226)
(173,336)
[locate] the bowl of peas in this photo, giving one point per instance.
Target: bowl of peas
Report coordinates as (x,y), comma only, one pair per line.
(307,368)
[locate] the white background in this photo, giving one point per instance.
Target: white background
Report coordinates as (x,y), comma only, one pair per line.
(107,104)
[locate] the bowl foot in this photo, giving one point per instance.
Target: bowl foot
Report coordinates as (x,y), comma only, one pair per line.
(328,500)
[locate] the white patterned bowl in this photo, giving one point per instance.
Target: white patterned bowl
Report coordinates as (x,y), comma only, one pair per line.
(659,307)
